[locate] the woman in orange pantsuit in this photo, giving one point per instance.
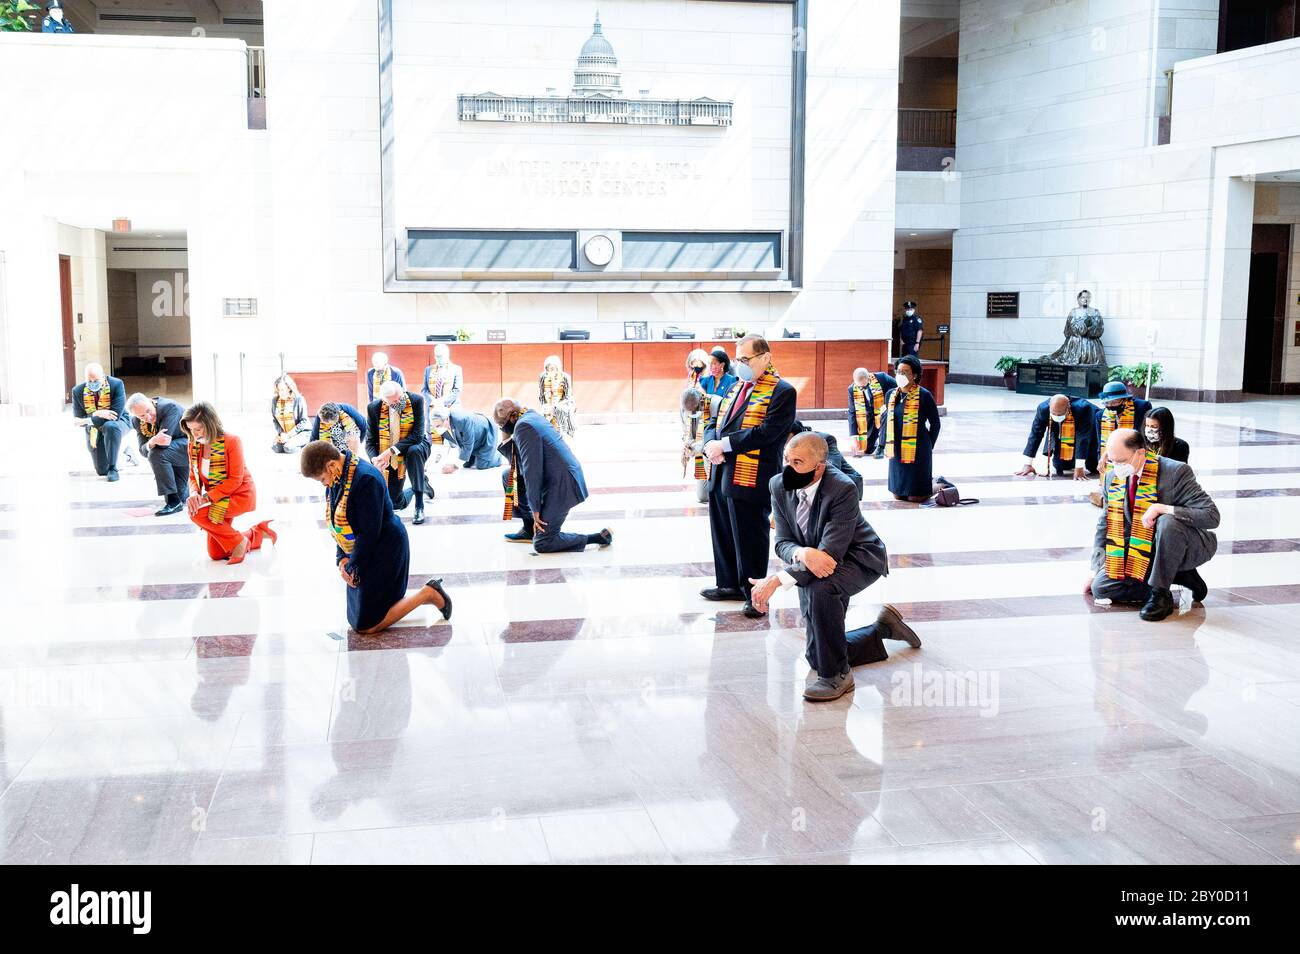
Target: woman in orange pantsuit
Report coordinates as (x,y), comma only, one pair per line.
(220,487)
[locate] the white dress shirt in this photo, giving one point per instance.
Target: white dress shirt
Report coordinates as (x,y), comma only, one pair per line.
(810,493)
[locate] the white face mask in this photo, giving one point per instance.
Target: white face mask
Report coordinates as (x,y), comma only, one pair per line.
(1123,471)
(1058,418)
(909,312)
(904,380)
(1153,437)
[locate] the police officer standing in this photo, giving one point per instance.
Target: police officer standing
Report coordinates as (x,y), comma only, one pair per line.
(55,21)
(911,330)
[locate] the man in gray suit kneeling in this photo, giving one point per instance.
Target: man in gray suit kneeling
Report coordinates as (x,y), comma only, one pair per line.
(1154,529)
(831,553)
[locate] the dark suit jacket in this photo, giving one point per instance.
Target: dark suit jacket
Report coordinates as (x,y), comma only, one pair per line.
(552,476)
(1086,430)
(887,383)
(370,380)
(117,399)
(452,394)
(475,437)
(417,435)
(768,438)
(357,418)
(1141,409)
(835,526)
(169,420)
(1176,486)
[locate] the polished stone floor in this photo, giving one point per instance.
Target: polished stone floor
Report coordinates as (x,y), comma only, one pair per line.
(157,707)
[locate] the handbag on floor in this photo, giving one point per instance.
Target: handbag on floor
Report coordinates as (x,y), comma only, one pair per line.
(947,495)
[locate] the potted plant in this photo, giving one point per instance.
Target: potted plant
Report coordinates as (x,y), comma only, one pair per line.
(464,334)
(1008,365)
(737,333)
(16,16)
(1135,375)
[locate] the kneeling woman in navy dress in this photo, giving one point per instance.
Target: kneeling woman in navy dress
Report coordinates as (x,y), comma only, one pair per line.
(910,420)
(372,550)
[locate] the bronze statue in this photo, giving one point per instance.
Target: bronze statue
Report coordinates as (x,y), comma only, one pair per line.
(1083,328)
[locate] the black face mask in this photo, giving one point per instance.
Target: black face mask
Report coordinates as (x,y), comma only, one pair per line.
(509,427)
(791,479)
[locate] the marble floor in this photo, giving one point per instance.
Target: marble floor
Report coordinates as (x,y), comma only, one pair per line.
(157,707)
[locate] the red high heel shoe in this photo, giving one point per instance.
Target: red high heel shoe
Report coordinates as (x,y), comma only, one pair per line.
(258,531)
(233,560)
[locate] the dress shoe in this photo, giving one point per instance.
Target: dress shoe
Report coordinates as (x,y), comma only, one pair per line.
(1158,606)
(113,475)
(169,509)
(603,539)
(258,531)
(891,619)
(419,515)
(880,454)
(720,594)
(827,688)
(428,492)
(436,585)
(1192,581)
(752,611)
(520,536)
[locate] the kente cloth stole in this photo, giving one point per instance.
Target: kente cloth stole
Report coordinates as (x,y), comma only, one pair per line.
(216,474)
(146,428)
(378,381)
(439,382)
(336,517)
(404,426)
(701,471)
(284,414)
(1130,557)
(553,392)
(346,426)
(93,402)
(911,423)
(746,470)
(1109,420)
(860,416)
(1065,445)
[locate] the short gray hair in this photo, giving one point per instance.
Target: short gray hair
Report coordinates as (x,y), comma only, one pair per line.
(816,444)
(389,388)
(136,400)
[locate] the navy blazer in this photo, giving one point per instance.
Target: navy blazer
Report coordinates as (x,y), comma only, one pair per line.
(1141,409)
(836,526)
(768,438)
(418,435)
(552,476)
(370,380)
(475,437)
(168,418)
(1086,430)
(887,383)
(117,398)
(357,418)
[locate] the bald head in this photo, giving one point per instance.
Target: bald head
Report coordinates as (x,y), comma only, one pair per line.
(94,372)
(505,412)
(379,360)
(1058,405)
(805,451)
(1125,445)
(860,376)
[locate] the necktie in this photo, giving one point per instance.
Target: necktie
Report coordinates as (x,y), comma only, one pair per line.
(803,513)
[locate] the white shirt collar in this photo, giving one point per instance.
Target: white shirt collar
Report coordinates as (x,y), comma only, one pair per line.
(810,492)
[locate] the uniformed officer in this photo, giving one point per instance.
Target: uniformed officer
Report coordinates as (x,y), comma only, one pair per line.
(911,329)
(55,21)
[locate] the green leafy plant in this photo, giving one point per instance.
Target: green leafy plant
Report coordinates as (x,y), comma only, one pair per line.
(1007,364)
(1135,375)
(16,16)
(737,332)
(464,334)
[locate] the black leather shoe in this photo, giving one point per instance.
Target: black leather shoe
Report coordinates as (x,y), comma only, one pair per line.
(879,455)
(419,516)
(1160,605)
(892,619)
(112,475)
(604,538)
(170,509)
(752,611)
(436,585)
(428,492)
(520,536)
(1192,581)
(720,595)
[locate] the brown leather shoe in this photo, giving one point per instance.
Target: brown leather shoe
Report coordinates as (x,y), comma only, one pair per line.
(890,616)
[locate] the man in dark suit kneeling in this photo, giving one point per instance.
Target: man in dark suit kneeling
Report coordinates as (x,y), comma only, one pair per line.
(543,483)
(830,553)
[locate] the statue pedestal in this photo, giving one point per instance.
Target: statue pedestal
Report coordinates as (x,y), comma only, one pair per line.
(1075,380)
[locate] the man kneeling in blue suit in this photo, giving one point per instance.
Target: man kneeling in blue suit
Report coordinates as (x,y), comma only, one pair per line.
(543,481)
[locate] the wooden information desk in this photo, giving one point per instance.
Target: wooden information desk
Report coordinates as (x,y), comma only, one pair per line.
(611,377)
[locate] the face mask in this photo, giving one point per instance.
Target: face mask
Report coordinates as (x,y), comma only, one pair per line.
(791,479)
(904,380)
(1153,437)
(95,386)
(744,371)
(909,312)
(1123,471)
(509,426)
(1058,418)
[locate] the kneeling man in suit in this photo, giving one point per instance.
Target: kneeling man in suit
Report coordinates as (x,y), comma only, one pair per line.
(543,483)
(1154,529)
(830,553)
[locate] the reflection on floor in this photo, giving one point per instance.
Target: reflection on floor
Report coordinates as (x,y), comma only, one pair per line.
(156,707)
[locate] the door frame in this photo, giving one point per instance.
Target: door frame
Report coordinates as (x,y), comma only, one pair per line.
(69,330)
